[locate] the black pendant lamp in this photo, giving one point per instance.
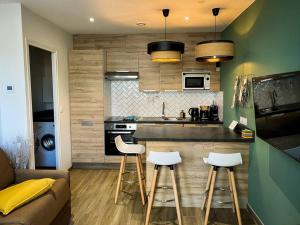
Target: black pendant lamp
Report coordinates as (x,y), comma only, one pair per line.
(165,51)
(214,50)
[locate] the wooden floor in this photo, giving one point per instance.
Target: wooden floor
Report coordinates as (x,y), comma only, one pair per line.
(93,204)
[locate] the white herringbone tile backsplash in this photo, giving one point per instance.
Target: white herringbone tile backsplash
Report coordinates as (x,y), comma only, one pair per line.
(126,99)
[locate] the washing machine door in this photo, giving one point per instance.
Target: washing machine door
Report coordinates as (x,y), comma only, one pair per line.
(48,142)
(45,152)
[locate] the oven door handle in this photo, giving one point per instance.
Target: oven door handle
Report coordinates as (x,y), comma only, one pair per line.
(119,132)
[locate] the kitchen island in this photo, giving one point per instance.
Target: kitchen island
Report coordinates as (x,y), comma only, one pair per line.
(194,143)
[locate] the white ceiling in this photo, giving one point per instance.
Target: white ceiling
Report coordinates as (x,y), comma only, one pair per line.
(120,16)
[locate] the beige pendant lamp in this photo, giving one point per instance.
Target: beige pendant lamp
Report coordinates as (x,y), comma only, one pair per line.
(165,51)
(214,50)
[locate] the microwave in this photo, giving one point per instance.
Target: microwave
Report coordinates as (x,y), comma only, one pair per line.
(196,80)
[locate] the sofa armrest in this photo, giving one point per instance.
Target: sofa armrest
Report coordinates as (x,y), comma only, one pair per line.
(27,174)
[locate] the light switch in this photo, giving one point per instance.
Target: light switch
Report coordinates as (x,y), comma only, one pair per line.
(9,89)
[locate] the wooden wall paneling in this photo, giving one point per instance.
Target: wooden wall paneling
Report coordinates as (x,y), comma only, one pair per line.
(95,41)
(86,68)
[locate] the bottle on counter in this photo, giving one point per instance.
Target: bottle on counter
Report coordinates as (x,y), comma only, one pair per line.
(182,114)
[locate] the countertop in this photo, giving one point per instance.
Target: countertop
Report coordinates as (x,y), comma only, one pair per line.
(188,134)
(159,120)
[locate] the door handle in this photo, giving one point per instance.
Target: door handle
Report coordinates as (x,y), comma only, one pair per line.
(119,132)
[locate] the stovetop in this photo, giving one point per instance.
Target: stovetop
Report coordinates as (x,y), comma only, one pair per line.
(124,119)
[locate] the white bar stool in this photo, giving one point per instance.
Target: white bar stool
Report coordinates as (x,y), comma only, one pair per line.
(159,159)
(135,150)
(228,161)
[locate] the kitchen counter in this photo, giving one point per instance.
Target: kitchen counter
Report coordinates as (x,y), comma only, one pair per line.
(188,134)
(159,120)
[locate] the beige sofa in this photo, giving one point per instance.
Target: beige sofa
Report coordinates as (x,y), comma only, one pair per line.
(52,208)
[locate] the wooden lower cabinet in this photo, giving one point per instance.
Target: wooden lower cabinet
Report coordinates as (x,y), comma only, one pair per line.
(192,173)
(86,86)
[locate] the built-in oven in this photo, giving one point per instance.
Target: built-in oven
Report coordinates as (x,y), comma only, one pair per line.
(112,130)
(196,80)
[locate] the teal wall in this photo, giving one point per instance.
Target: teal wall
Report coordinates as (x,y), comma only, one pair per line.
(267,41)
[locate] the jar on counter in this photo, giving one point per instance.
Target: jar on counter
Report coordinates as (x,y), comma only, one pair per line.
(182,114)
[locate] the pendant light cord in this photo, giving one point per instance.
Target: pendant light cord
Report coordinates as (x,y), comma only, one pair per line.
(165,28)
(215,28)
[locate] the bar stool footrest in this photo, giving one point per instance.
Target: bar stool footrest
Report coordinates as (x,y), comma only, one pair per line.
(223,188)
(165,187)
(223,202)
(164,200)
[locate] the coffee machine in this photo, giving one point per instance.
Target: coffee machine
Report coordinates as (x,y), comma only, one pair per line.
(204,112)
(214,112)
(194,113)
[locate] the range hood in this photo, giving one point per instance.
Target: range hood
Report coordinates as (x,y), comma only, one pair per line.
(121,75)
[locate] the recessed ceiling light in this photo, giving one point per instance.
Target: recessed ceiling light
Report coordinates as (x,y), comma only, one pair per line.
(186,18)
(141,24)
(92,20)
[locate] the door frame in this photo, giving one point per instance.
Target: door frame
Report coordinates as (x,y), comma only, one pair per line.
(54,59)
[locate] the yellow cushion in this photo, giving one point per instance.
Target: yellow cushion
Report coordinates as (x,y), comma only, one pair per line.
(19,194)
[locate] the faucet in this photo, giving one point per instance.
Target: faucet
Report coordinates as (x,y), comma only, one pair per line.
(163,116)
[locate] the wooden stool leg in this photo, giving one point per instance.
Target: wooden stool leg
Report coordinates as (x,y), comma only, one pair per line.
(140,178)
(142,172)
(230,189)
(151,194)
(176,196)
(119,179)
(236,201)
(141,164)
(207,187)
(210,194)
(123,171)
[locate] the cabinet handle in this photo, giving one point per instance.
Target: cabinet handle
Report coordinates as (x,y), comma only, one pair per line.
(171,90)
(150,90)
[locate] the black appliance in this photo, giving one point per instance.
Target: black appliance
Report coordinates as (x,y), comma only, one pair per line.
(277,111)
(204,112)
(194,113)
(214,113)
(112,130)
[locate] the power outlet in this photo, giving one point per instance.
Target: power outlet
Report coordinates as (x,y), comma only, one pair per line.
(243,120)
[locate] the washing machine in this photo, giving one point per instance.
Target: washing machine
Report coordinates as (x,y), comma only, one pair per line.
(45,153)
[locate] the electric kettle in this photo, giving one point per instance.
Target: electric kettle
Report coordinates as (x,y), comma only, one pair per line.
(194,113)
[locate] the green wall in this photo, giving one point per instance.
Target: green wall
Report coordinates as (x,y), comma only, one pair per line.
(267,41)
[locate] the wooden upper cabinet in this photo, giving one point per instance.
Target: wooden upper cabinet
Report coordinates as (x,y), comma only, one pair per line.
(121,60)
(215,80)
(149,73)
(171,76)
